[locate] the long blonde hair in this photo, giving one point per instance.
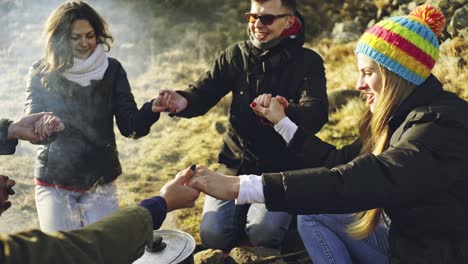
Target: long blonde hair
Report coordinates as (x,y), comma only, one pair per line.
(374,133)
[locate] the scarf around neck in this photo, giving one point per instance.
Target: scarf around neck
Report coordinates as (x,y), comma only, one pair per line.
(91,68)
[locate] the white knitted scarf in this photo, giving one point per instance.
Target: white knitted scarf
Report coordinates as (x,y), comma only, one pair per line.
(91,68)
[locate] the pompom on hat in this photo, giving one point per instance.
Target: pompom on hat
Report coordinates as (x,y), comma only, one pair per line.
(406,45)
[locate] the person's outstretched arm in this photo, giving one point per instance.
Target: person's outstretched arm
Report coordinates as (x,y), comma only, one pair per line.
(33,127)
(118,238)
(131,121)
(310,150)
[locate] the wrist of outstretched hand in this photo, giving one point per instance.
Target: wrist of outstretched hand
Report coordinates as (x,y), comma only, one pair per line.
(157,207)
(250,190)
(286,128)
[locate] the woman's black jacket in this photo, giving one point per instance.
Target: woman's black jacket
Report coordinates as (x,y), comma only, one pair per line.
(421,179)
(85,153)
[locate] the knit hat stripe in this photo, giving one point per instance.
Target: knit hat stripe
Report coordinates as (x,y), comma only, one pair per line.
(389,63)
(418,34)
(404,45)
(394,53)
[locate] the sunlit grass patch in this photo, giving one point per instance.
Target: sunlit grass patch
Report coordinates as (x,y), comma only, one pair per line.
(340,63)
(342,129)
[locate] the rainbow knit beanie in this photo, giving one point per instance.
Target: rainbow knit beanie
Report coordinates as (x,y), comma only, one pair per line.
(406,45)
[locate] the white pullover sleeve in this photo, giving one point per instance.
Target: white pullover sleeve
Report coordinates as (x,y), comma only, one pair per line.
(251,187)
(286,128)
(250,190)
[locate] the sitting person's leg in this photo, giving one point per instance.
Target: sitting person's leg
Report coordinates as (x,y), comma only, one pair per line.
(221,223)
(265,228)
(327,241)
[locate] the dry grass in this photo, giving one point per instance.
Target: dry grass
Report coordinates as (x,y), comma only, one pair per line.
(177,144)
(340,64)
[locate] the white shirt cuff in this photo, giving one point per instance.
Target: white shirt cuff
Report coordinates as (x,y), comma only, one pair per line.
(286,128)
(251,190)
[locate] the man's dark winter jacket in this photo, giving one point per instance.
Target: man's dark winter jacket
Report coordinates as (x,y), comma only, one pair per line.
(421,179)
(288,70)
(85,153)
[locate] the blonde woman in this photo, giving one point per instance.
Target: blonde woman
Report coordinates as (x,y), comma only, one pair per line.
(410,160)
(76,169)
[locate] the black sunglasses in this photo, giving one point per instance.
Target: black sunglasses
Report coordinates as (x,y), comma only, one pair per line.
(267,19)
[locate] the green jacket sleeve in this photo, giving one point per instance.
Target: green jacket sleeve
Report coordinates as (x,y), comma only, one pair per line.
(118,238)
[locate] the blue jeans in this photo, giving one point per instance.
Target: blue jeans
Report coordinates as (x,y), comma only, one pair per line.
(223,223)
(60,209)
(327,241)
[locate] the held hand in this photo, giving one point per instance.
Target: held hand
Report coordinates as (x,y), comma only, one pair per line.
(283,101)
(25,128)
(263,100)
(48,125)
(169,101)
(274,112)
(6,189)
(215,184)
(177,194)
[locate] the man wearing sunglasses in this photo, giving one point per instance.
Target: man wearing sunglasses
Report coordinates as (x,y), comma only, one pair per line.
(274,62)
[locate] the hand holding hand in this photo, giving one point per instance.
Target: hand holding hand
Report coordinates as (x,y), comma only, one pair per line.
(283,101)
(6,189)
(263,100)
(274,112)
(215,184)
(177,194)
(30,127)
(169,101)
(48,125)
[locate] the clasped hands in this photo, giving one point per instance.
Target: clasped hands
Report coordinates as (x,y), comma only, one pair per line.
(185,188)
(265,105)
(187,185)
(269,107)
(35,127)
